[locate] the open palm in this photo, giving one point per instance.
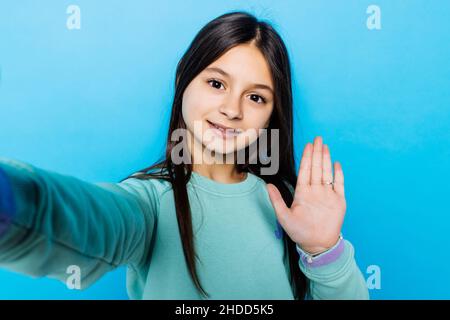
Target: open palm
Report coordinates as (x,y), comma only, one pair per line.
(315,217)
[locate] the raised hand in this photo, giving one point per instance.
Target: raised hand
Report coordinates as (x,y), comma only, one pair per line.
(315,217)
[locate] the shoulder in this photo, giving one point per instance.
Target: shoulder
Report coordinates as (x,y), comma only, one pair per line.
(148,191)
(149,188)
(286,183)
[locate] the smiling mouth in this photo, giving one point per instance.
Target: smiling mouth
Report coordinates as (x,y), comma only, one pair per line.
(222,132)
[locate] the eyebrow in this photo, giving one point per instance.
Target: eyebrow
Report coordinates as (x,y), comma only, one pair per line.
(224,73)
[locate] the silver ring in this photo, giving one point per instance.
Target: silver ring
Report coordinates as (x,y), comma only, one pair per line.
(329,182)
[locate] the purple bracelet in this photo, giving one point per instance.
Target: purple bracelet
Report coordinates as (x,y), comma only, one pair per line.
(324,258)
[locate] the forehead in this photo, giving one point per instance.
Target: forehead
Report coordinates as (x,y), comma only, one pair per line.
(245,62)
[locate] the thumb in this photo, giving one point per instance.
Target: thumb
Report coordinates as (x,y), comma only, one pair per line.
(281,210)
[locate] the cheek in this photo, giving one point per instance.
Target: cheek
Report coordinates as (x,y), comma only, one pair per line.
(256,122)
(187,112)
(196,105)
(259,119)
(190,109)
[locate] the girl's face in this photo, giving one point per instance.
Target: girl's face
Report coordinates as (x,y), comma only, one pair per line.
(235,91)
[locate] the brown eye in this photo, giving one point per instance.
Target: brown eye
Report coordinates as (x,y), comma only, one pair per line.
(215,84)
(257,98)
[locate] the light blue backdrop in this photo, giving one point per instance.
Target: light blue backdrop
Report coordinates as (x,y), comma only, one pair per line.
(94,102)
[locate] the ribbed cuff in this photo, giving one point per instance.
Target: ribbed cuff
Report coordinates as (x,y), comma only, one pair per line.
(7,203)
(324,258)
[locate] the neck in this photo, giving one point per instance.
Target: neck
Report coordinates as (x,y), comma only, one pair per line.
(213,165)
(220,173)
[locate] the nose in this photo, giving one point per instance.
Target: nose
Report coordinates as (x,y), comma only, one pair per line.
(231,108)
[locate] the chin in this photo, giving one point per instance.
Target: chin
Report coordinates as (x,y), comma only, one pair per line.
(217,148)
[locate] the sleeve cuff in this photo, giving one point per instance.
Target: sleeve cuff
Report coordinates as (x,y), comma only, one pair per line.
(7,203)
(335,268)
(323,258)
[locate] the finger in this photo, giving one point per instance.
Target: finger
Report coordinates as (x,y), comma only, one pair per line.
(304,175)
(338,179)
(327,173)
(281,210)
(316,169)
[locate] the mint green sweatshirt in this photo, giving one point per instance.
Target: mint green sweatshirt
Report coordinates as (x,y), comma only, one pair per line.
(50,221)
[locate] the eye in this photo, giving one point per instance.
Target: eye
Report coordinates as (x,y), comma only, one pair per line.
(258,98)
(215,84)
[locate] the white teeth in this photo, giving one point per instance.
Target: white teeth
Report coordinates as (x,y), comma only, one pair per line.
(232,131)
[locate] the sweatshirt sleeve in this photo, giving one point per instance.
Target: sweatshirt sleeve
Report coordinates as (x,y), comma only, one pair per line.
(50,222)
(334,275)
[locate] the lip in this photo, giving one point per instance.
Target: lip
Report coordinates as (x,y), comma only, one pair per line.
(219,125)
(222,133)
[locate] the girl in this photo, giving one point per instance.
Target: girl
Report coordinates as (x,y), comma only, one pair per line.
(195,225)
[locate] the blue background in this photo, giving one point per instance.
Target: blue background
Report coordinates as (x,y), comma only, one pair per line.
(95,103)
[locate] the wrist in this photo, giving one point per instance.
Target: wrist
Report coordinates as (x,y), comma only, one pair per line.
(322,258)
(334,258)
(315,251)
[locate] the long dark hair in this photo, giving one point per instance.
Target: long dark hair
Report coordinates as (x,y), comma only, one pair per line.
(213,40)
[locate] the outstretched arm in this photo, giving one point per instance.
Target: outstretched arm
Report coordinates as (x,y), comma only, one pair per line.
(50,221)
